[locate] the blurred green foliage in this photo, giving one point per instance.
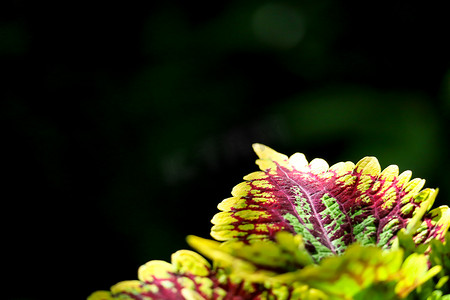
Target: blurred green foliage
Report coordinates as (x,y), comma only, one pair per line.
(126,124)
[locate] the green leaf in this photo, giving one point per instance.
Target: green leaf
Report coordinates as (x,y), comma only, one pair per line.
(415,273)
(258,261)
(440,256)
(437,295)
(361,271)
(346,275)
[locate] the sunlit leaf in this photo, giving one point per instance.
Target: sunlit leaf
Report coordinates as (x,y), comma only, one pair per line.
(361,271)
(257,261)
(189,276)
(440,256)
(331,207)
(307,231)
(438,295)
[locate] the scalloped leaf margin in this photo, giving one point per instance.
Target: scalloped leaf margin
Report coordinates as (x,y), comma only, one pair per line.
(331,207)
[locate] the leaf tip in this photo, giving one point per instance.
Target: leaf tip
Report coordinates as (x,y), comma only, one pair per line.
(100,295)
(265,152)
(368,165)
(298,160)
(259,149)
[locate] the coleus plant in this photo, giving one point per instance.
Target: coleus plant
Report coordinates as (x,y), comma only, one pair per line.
(305,230)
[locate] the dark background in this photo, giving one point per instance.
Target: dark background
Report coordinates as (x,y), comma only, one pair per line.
(124,125)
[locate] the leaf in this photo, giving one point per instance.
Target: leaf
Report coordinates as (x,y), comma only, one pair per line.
(261,261)
(440,256)
(331,207)
(363,272)
(437,295)
(189,276)
(415,272)
(258,261)
(359,268)
(434,226)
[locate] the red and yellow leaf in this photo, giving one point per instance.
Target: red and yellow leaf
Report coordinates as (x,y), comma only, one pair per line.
(190,277)
(331,207)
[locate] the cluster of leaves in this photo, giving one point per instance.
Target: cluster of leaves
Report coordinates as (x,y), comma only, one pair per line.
(299,230)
